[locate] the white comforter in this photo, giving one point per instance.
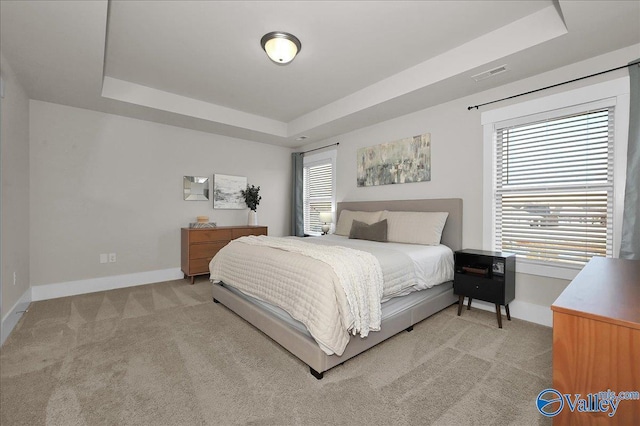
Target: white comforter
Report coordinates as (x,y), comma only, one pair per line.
(406,267)
(311,292)
(359,275)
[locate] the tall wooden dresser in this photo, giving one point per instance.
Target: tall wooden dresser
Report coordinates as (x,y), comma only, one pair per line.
(199,245)
(596,339)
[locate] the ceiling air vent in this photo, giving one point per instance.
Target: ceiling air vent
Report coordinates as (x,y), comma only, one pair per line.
(490,73)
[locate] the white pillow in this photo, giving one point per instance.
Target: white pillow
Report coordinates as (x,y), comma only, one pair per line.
(415,227)
(343,227)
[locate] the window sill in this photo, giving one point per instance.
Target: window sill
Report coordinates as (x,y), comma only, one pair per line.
(545,270)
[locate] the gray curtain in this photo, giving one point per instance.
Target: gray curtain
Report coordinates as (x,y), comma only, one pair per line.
(297,202)
(630,243)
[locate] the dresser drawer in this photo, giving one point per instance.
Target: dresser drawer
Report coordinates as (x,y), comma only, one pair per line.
(205,250)
(479,288)
(243,232)
(199,266)
(207,235)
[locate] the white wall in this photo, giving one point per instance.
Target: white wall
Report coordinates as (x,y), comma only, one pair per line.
(14,157)
(457,162)
(102,183)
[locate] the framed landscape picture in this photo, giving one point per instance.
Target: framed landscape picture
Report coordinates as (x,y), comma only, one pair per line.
(226,192)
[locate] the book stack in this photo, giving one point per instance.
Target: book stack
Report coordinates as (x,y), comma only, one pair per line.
(202,222)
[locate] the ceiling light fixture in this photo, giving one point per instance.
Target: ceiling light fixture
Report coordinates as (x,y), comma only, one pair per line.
(281,47)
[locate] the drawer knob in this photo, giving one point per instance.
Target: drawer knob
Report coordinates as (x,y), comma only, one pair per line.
(477,286)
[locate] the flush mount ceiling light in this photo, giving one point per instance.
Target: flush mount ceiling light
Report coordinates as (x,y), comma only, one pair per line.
(281,47)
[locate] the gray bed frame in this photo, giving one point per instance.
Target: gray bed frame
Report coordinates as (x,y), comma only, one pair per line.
(303,346)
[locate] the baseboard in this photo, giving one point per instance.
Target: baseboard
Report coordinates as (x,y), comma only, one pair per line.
(522,310)
(92,285)
(13,316)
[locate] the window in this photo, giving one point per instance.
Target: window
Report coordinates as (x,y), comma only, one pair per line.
(551,192)
(318,190)
(554,188)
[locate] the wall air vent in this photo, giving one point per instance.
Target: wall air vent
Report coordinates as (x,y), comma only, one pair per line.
(490,73)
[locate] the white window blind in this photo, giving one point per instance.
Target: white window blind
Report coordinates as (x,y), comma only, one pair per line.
(317,194)
(554,188)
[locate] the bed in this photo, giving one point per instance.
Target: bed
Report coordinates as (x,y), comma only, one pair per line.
(398,311)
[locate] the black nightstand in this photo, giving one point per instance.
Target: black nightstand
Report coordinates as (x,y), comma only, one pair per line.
(485,275)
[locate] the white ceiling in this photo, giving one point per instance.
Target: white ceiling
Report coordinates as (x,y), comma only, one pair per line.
(199,64)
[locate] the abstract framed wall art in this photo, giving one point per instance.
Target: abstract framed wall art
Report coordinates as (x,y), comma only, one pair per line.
(402,161)
(226,192)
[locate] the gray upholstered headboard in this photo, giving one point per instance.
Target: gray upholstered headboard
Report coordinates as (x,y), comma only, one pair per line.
(452,233)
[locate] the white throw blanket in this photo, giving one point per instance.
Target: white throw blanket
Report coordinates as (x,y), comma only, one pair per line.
(359,274)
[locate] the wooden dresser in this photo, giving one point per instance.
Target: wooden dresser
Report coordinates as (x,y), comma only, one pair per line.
(199,245)
(596,339)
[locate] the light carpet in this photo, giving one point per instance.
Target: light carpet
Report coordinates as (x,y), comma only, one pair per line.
(165,354)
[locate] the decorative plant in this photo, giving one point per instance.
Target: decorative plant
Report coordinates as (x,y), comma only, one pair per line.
(251,196)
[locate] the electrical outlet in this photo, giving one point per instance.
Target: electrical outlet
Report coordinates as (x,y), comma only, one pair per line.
(15,278)
(103,258)
(112,257)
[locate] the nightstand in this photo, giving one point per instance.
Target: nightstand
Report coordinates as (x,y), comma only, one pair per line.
(485,275)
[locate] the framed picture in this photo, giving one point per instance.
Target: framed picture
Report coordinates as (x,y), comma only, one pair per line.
(226,192)
(402,161)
